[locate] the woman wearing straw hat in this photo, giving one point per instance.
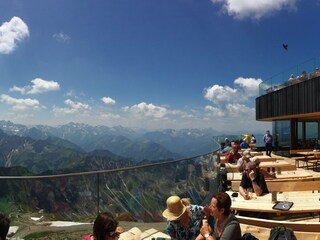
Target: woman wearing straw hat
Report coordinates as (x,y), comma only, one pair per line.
(184,219)
(225,225)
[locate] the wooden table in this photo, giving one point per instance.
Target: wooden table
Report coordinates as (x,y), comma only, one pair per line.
(284,176)
(253,153)
(279,164)
(304,202)
(312,157)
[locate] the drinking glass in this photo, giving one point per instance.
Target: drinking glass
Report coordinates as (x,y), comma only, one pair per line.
(250,191)
(285,199)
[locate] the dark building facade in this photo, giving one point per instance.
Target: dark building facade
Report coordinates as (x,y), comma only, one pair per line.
(294,111)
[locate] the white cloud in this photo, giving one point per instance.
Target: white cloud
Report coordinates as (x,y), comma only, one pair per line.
(218,94)
(39,86)
(108,100)
(62,37)
(77,105)
(249,85)
(230,107)
(255,9)
(110,116)
(147,110)
(214,111)
(11,33)
(72,107)
(20,103)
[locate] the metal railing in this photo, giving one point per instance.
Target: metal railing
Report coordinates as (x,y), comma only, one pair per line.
(303,71)
(135,193)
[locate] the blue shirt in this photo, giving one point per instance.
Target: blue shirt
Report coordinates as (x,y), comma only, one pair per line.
(177,231)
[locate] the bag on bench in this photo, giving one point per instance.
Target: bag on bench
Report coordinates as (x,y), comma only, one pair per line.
(282,233)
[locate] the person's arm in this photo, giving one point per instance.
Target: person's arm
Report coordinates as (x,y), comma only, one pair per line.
(253,177)
(242,188)
(244,193)
(240,164)
(206,232)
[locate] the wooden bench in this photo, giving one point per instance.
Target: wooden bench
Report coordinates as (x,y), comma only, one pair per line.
(286,186)
(261,228)
(294,151)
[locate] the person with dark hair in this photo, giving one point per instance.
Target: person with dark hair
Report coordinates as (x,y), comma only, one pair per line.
(221,224)
(105,227)
(183,219)
(4,226)
(233,155)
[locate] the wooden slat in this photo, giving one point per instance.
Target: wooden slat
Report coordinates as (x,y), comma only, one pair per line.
(304,226)
(285,186)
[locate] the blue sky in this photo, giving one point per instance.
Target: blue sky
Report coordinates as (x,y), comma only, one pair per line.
(148,63)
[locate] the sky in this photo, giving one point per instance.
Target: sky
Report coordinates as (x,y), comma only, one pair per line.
(152,64)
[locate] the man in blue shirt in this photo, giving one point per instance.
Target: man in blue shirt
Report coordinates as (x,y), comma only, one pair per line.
(267,139)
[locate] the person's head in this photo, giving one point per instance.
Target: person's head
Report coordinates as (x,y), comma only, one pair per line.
(250,166)
(246,154)
(104,227)
(318,141)
(234,149)
(4,226)
(176,208)
(267,132)
(220,204)
(256,160)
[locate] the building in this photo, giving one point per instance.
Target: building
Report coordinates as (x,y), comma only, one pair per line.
(292,104)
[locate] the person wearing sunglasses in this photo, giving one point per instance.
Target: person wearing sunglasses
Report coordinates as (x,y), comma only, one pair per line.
(253,179)
(105,227)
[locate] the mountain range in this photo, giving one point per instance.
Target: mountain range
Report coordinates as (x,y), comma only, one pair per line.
(44,148)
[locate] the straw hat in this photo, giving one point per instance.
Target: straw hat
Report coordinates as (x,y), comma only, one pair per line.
(132,234)
(175,208)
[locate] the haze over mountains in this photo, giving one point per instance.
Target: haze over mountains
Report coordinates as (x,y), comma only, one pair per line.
(73,145)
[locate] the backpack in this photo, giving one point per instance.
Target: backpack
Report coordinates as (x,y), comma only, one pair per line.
(282,233)
(248,236)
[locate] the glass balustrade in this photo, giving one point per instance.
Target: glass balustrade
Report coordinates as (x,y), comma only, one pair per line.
(135,193)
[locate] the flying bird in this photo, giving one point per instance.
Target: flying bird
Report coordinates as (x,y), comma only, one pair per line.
(285,46)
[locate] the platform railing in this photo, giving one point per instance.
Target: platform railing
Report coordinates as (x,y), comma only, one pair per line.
(303,71)
(136,193)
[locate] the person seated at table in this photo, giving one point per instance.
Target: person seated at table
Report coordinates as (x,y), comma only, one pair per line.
(221,224)
(183,219)
(226,149)
(237,143)
(253,139)
(254,179)
(244,144)
(265,173)
(241,163)
(233,155)
(105,226)
(317,145)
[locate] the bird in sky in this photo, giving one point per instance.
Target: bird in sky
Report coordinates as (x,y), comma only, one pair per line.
(285,46)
